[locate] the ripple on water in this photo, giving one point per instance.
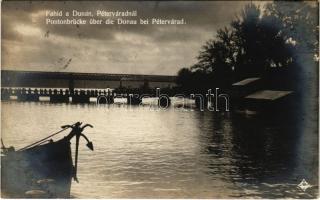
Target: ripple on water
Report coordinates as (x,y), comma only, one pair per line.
(168,154)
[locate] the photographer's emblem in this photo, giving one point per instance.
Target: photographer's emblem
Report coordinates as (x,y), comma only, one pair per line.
(304,185)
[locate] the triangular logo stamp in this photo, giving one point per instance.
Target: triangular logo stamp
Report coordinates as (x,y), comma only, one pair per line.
(304,185)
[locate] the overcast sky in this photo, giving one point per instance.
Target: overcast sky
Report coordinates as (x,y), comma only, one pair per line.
(29,44)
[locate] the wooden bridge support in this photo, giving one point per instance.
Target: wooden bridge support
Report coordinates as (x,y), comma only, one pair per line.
(104,99)
(134,100)
(59,98)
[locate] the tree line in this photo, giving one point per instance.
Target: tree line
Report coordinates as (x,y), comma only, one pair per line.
(277,42)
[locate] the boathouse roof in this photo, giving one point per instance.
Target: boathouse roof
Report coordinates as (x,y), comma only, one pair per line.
(246,81)
(268,95)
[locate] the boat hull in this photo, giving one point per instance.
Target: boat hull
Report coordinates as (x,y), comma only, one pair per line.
(46,168)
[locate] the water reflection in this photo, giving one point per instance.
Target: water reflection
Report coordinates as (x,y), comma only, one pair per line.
(175,154)
(264,153)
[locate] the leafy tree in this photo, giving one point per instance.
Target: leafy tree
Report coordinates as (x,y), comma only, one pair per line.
(299,23)
(183,78)
(257,43)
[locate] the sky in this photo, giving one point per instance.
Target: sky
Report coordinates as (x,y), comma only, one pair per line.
(28,43)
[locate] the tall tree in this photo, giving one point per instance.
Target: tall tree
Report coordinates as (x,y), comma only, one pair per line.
(259,42)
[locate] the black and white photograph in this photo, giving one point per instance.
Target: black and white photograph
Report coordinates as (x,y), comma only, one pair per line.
(177,99)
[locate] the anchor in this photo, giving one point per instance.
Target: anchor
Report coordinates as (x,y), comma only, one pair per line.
(77,131)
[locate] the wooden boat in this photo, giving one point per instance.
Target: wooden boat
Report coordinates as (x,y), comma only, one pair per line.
(41,170)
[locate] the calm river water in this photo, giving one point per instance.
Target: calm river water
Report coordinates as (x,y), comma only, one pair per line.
(143,153)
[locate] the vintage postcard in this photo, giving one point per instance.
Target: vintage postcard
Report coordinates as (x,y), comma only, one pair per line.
(160,99)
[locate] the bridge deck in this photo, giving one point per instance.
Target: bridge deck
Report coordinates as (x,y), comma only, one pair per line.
(35,79)
(6,74)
